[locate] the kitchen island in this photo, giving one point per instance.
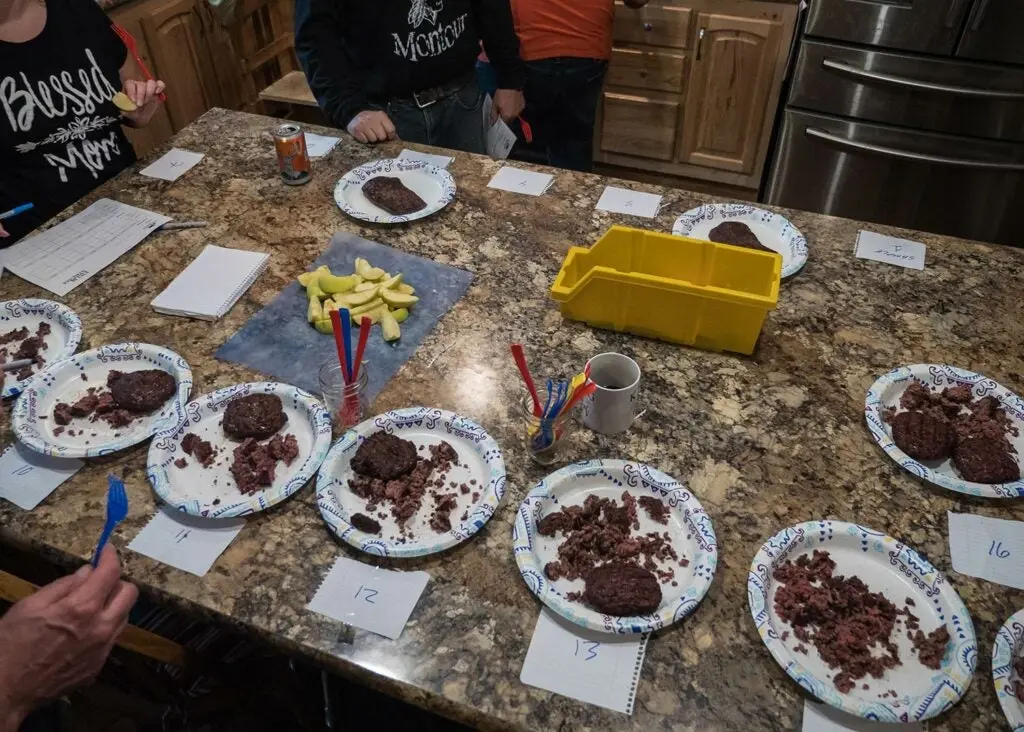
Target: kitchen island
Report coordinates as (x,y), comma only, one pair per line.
(764,442)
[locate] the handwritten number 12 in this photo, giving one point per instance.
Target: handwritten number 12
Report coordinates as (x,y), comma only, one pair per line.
(996,550)
(590,649)
(370,594)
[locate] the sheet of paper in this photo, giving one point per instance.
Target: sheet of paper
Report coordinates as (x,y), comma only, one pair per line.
(172,165)
(319,145)
(500,140)
(890,250)
(823,718)
(66,255)
(441,161)
(186,542)
(992,549)
(521,181)
(368,597)
(623,200)
(28,477)
(596,668)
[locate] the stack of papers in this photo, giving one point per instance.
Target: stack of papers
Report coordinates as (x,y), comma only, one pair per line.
(212,284)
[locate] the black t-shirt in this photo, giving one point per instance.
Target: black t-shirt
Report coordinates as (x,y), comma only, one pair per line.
(60,135)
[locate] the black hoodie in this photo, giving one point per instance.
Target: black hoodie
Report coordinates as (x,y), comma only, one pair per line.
(357,51)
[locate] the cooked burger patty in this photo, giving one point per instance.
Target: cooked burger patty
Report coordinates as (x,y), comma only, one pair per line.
(141,391)
(923,436)
(384,457)
(257,415)
(392,195)
(738,234)
(980,460)
(622,589)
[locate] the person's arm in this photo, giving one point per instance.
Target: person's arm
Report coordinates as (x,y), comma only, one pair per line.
(494,23)
(144,94)
(320,45)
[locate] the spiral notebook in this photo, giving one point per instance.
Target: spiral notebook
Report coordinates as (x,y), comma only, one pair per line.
(597,668)
(209,287)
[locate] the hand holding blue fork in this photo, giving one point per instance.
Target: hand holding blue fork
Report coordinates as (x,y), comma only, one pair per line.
(117,509)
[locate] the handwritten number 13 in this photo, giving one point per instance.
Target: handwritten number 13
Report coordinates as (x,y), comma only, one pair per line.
(590,648)
(996,550)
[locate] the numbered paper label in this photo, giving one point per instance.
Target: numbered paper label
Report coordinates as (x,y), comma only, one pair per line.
(992,549)
(890,250)
(189,543)
(28,477)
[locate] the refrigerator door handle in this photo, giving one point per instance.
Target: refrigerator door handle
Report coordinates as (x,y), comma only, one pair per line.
(978,15)
(918,85)
(852,146)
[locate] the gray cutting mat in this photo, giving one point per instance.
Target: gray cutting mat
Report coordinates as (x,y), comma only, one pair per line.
(279,342)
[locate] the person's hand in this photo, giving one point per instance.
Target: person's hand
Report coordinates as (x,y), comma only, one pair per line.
(146,96)
(372,125)
(3,231)
(59,637)
(507,104)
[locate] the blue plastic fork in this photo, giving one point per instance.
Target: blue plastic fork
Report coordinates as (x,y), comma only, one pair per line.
(117,509)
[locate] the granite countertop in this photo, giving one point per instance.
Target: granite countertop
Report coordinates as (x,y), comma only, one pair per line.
(764,441)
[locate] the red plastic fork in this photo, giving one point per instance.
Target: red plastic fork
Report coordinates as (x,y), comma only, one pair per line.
(133,48)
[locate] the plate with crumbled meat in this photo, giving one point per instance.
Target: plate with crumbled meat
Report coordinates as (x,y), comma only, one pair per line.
(1008,670)
(615,546)
(240,450)
(746,226)
(862,621)
(104,400)
(411,482)
(952,427)
(40,331)
(393,191)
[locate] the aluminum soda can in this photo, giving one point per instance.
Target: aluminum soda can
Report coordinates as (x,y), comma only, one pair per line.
(292,156)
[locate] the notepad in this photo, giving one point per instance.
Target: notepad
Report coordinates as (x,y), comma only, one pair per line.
(209,287)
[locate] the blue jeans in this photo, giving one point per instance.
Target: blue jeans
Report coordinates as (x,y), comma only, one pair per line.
(454,122)
(561,106)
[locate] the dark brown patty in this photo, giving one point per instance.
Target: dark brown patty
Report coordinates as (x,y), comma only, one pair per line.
(622,589)
(923,436)
(384,457)
(738,234)
(256,415)
(364,523)
(980,460)
(141,391)
(392,195)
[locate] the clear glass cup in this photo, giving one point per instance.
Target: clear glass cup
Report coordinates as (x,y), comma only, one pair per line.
(346,403)
(546,439)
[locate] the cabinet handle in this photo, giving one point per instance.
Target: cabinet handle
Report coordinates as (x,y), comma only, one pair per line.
(700,42)
(916,157)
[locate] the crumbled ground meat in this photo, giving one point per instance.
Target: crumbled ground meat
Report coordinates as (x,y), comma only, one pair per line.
(28,347)
(11,336)
(600,531)
(285,449)
(200,449)
(62,414)
(98,404)
(181,463)
(656,509)
(254,463)
(1018,666)
(365,523)
(850,625)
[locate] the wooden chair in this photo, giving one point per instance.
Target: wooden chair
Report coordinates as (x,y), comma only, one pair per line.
(263,41)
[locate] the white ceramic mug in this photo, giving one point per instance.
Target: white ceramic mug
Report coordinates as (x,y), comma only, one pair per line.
(609,410)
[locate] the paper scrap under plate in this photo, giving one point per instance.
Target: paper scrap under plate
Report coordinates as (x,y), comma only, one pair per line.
(441,161)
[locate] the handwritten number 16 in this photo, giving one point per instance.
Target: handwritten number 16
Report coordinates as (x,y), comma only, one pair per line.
(369,594)
(590,648)
(996,550)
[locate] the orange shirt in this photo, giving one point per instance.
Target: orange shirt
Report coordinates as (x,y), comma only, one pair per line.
(553,28)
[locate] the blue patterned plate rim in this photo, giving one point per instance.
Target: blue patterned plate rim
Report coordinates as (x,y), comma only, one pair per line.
(24,418)
(164,450)
(879,397)
(54,311)
(1008,646)
(790,243)
(644,481)
(931,589)
(359,175)
(462,433)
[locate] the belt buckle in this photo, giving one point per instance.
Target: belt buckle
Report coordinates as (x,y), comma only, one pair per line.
(431,98)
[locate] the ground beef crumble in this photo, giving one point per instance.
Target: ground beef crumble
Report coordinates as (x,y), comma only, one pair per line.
(254,463)
(849,625)
(200,449)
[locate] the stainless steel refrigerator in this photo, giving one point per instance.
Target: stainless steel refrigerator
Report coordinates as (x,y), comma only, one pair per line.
(908,112)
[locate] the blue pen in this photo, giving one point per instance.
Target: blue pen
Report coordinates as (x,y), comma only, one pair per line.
(16,210)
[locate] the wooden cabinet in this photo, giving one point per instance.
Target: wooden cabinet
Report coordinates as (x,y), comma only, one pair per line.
(693,86)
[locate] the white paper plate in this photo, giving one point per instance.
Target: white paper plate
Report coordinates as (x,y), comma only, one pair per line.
(433,184)
(1009,645)
(689,527)
(32,418)
(212,492)
(65,333)
(898,572)
(888,389)
(771,229)
(424,427)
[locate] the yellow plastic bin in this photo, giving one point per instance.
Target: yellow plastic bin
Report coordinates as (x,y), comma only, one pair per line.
(674,288)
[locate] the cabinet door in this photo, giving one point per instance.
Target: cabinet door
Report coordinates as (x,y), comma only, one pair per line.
(645,68)
(727,110)
(639,125)
(174,32)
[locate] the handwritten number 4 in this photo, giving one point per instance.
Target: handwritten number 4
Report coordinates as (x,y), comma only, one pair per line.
(369,594)
(590,648)
(996,550)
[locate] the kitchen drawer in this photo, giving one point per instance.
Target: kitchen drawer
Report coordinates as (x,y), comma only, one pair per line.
(642,126)
(670,26)
(647,69)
